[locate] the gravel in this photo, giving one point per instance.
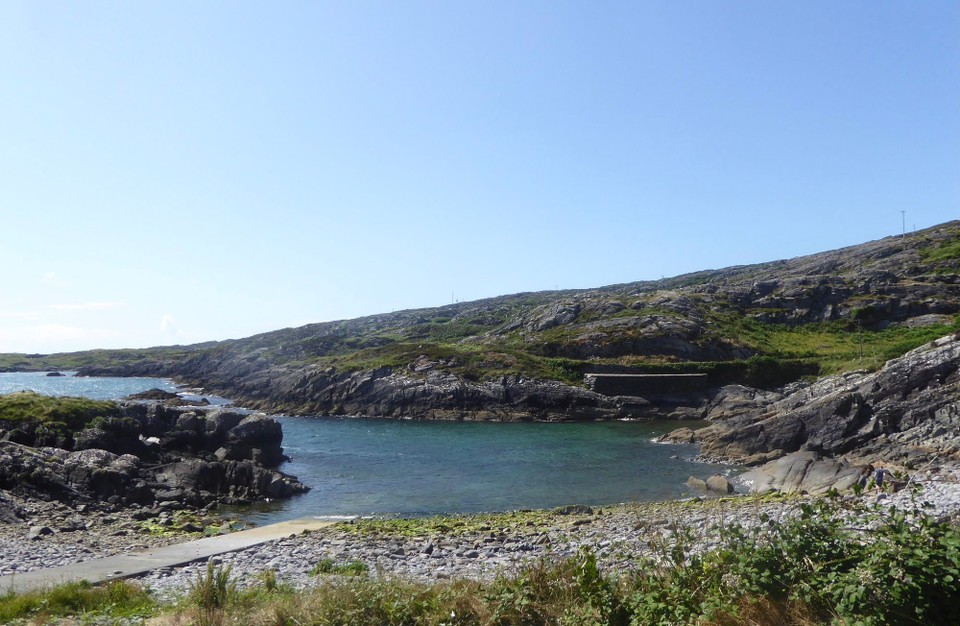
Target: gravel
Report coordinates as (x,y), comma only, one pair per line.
(617,534)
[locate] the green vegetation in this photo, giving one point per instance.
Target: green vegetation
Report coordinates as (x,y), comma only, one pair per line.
(818,567)
(838,346)
(329,566)
(948,251)
(185,522)
(75,360)
(115,600)
(449,525)
(828,564)
(72,413)
(718,314)
(783,353)
(213,589)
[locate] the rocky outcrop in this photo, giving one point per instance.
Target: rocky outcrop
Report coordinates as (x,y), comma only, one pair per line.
(907,413)
(154,455)
(436,394)
(695,317)
(804,472)
(124,480)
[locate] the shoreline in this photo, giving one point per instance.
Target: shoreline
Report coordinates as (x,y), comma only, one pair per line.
(476,546)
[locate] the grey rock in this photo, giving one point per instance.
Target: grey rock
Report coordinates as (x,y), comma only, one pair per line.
(574,509)
(719,484)
(806,472)
(892,413)
(680,435)
(36,532)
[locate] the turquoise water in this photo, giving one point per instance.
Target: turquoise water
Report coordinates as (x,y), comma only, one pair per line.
(383,467)
(366,467)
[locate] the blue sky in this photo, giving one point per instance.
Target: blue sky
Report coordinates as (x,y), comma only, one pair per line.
(176,172)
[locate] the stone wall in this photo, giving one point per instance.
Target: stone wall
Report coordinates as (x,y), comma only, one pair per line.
(645,384)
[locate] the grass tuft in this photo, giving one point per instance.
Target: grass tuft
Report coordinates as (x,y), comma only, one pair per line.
(118,599)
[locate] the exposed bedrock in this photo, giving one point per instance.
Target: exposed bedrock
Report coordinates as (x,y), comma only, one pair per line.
(807,472)
(905,414)
(152,455)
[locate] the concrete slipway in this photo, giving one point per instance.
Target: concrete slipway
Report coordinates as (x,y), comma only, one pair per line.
(126,565)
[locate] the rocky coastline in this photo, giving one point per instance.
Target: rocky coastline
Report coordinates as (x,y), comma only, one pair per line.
(525,356)
(144,454)
(803,439)
(476,547)
(140,474)
(821,436)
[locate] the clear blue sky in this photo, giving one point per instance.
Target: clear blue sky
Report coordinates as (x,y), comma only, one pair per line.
(175,172)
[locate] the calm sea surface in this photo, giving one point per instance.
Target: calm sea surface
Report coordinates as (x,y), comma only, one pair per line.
(374,466)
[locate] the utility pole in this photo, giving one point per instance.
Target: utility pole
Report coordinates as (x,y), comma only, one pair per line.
(903,218)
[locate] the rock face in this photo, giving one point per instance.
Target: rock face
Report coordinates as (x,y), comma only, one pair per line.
(154,455)
(806,472)
(817,437)
(473,360)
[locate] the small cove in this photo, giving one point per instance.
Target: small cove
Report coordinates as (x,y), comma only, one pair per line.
(389,467)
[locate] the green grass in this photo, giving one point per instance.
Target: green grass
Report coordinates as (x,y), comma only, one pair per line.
(814,568)
(75,413)
(329,566)
(450,525)
(119,599)
(838,348)
(791,352)
(949,251)
(471,361)
(75,360)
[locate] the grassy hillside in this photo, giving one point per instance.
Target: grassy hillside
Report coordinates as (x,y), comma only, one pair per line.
(835,311)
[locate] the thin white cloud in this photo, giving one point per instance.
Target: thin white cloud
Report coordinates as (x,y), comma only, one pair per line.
(88,306)
(51,278)
(169,326)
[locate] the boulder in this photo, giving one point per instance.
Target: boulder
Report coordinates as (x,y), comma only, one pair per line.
(257,438)
(803,472)
(94,438)
(219,423)
(36,532)
(719,484)
(231,482)
(680,435)
(10,513)
(102,473)
(153,394)
(574,509)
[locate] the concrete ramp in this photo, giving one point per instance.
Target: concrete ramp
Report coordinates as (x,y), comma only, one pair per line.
(126,565)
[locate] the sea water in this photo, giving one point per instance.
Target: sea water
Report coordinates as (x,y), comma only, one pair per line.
(96,388)
(363,466)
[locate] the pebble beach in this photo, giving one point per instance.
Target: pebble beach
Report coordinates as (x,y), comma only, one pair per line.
(476,547)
